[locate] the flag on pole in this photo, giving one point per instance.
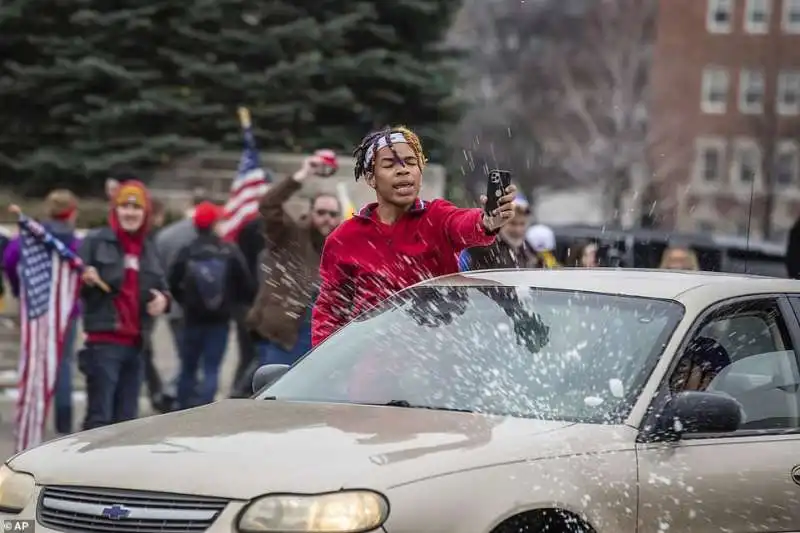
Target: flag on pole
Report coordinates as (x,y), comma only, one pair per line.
(50,273)
(248,187)
(349,210)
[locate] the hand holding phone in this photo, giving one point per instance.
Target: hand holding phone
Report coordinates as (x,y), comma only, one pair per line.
(499,200)
(498,182)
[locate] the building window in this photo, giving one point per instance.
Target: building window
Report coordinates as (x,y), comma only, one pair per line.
(757,15)
(791,16)
(714,97)
(720,13)
(751,92)
(786,165)
(746,163)
(789,92)
(710,160)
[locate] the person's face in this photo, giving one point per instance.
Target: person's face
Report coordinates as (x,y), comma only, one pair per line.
(326,214)
(131,217)
(514,230)
(112,186)
(589,256)
(397,182)
(678,259)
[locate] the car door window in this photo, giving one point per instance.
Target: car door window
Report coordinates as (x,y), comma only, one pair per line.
(744,350)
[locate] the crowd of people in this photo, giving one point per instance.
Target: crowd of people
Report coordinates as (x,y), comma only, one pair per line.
(286,284)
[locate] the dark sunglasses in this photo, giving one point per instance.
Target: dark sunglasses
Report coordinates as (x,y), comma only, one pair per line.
(323,212)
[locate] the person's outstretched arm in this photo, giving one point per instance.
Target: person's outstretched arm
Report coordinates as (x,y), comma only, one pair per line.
(464,227)
(278,225)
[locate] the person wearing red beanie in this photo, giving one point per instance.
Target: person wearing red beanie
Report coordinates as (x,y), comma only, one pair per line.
(207,278)
(206,216)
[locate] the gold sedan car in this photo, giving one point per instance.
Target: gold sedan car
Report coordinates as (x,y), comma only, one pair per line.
(602,401)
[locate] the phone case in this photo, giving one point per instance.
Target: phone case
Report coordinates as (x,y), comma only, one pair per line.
(497,183)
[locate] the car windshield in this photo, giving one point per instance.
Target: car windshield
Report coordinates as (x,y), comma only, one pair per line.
(514,351)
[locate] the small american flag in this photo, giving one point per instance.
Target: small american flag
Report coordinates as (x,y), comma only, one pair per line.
(247,189)
(50,282)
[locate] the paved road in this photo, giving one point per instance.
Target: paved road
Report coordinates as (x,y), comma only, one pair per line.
(167,363)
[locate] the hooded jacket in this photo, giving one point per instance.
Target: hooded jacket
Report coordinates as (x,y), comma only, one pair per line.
(129,264)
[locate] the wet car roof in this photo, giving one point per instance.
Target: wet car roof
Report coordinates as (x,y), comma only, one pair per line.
(661,284)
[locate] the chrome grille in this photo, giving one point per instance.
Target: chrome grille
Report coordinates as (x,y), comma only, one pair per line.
(90,510)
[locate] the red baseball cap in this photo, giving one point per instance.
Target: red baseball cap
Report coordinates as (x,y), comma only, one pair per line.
(206,215)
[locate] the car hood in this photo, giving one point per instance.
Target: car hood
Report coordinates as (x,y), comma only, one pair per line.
(243,448)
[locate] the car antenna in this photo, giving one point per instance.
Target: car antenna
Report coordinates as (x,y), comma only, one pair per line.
(749,222)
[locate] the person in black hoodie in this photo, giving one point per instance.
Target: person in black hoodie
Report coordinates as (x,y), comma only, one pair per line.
(208,277)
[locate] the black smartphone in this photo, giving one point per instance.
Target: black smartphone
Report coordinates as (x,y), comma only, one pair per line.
(499,180)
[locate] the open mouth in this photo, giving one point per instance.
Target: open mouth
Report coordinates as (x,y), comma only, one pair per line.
(404,187)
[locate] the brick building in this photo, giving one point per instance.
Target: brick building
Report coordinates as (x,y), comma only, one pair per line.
(725,90)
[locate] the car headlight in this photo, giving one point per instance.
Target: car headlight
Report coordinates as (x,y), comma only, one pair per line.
(16,490)
(338,512)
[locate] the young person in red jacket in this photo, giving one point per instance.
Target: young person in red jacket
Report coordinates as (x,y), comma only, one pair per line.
(398,240)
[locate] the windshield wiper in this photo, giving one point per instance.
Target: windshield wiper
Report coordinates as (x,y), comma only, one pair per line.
(407,404)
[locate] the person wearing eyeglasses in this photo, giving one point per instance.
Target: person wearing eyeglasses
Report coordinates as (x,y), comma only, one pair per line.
(288,272)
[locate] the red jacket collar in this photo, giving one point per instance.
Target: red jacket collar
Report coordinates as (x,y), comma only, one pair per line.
(365,212)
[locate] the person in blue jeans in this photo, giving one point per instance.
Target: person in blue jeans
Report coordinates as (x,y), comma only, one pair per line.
(122,258)
(209,277)
(270,353)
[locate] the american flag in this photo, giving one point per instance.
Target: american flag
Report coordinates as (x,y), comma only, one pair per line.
(247,189)
(50,282)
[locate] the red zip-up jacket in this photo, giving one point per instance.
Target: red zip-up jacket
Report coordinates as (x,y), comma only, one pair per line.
(365,260)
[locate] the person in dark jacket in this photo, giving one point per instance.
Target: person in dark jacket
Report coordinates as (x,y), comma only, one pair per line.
(509,250)
(251,243)
(155,385)
(207,279)
(117,323)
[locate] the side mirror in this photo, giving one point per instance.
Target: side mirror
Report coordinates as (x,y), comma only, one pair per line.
(699,412)
(267,375)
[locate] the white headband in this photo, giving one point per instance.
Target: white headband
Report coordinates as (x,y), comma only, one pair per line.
(396,138)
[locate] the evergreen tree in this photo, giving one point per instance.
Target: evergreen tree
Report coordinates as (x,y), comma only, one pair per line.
(89,85)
